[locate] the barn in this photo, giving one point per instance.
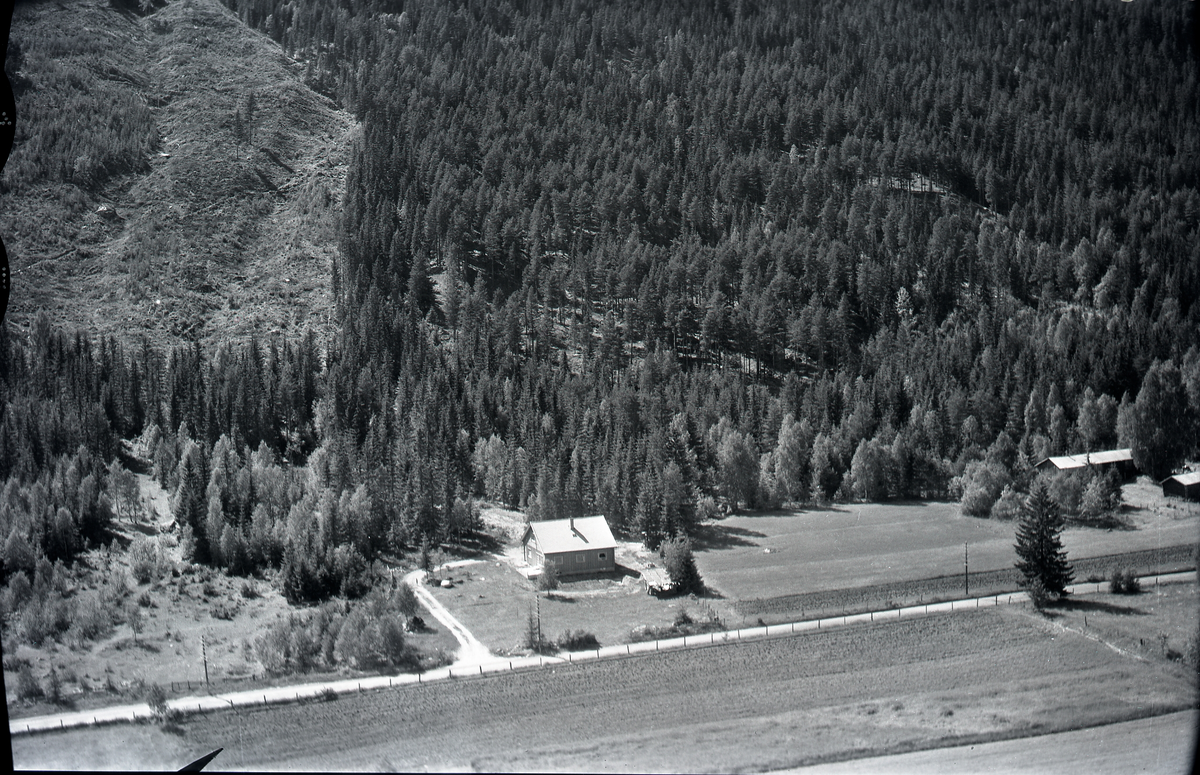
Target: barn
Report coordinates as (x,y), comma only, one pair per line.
(1183,485)
(1120,459)
(573,546)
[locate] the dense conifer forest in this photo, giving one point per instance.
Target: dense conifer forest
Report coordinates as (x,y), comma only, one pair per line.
(654,260)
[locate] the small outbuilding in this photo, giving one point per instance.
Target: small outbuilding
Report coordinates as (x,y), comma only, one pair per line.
(573,546)
(1183,485)
(1119,459)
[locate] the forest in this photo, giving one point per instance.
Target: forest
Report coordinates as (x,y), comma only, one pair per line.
(660,260)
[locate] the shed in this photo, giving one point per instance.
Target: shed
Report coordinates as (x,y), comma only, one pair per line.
(1120,459)
(1183,485)
(573,546)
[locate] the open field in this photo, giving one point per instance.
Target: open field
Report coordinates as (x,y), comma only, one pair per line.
(972,676)
(1150,746)
(765,556)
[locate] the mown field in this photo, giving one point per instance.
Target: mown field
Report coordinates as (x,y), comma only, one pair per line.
(970,676)
(760,557)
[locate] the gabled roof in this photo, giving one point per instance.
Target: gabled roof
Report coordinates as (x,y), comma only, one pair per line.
(1190,478)
(1084,459)
(567,535)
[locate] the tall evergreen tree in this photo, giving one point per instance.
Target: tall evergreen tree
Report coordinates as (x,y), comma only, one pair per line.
(1043,561)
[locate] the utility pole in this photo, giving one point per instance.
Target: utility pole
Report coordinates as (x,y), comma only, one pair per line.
(538,598)
(204,656)
(966,573)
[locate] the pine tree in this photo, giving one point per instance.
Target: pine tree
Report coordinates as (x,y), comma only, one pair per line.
(1043,561)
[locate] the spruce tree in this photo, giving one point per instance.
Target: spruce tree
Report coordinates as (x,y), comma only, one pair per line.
(1043,561)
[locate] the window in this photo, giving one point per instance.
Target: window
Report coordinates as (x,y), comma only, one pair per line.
(579,558)
(602,555)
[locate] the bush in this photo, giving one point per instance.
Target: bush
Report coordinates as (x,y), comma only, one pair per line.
(1124,582)
(981,484)
(224,610)
(27,686)
(1009,506)
(249,591)
(548,581)
(681,565)
(1038,594)
(578,641)
(145,559)
(156,698)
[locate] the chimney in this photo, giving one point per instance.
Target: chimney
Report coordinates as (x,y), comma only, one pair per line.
(572,524)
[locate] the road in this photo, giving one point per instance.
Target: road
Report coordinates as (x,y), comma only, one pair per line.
(1150,745)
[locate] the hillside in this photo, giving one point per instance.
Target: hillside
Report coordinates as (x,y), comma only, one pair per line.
(132,202)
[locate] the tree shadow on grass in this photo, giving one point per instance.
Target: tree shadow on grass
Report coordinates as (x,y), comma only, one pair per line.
(1093,606)
(1108,522)
(718,536)
(476,544)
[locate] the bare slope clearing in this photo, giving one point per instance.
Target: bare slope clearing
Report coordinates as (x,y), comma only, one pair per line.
(206,236)
(858,691)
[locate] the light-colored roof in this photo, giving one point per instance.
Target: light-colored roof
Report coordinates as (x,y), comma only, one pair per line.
(1192,477)
(566,535)
(1083,459)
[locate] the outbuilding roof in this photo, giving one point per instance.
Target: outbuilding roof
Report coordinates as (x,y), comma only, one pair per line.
(1188,479)
(1082,460)
(571,535)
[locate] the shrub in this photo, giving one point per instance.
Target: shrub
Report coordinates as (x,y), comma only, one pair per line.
(1009,506)
(27,686)
(681,565)
(1124,582)
(249,591)
(328,694)
(145,559)
(144,600)
(578,640)
(54,686)
(224,610)
(548,581)
(1038,594)
(682,618)
(156,698)
(981,484)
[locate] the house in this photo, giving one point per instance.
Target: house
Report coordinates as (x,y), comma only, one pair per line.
(1120,459)
(573,546)
(1183,485)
